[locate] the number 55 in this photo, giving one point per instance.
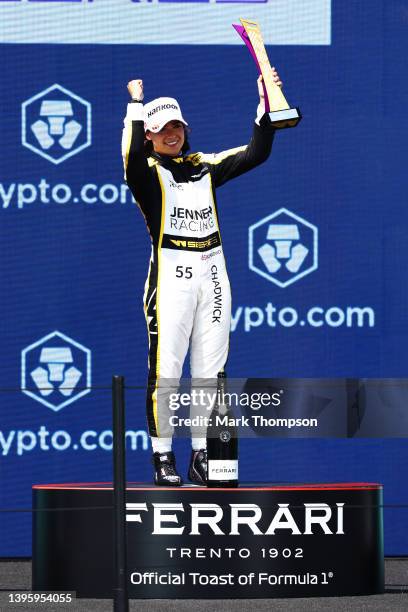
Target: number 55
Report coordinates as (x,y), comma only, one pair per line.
(186,272)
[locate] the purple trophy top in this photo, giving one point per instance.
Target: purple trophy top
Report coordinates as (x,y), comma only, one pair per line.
(241,31)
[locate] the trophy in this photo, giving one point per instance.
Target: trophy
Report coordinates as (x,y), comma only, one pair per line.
(278,110)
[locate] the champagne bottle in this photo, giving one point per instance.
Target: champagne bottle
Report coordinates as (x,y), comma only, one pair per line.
(222,442)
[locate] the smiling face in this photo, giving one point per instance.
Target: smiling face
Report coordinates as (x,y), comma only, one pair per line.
(170,139)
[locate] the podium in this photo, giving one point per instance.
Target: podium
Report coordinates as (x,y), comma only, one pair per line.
(256,541)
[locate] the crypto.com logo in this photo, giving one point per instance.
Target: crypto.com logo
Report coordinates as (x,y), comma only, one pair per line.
(283,247)
(56,124)
(53,367)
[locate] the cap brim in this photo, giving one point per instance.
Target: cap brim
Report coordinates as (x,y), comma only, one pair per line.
(161,125)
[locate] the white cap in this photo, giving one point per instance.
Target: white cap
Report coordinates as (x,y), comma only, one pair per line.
(160,111)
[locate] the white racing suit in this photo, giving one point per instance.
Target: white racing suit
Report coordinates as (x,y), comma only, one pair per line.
(187,299)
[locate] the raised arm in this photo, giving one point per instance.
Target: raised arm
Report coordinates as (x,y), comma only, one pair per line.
(137,172)
(234,162)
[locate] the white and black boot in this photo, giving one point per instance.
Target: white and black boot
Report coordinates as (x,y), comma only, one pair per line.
(165,471)
(198,467)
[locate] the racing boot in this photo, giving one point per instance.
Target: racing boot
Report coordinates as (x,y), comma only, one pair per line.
(165,472)
(198,467)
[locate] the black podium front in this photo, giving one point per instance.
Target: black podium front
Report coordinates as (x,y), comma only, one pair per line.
(257,541)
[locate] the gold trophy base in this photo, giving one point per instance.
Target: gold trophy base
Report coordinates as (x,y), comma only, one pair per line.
(285,118)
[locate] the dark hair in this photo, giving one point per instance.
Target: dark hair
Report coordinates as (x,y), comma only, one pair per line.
(148,145)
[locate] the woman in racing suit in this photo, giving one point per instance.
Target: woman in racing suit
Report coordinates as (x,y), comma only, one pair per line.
(187,299)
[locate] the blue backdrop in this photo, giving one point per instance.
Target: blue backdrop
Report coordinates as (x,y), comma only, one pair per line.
(74,249)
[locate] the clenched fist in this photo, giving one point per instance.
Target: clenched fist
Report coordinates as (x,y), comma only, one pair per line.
(135,88)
